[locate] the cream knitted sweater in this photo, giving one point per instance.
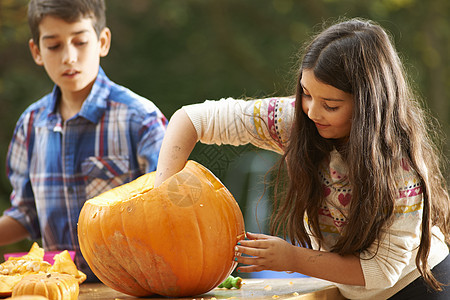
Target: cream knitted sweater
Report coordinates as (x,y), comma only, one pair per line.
(266,123)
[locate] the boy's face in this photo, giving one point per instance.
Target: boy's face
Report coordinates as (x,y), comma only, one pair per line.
(70,53)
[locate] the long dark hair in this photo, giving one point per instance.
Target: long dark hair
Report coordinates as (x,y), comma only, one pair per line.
(389,129)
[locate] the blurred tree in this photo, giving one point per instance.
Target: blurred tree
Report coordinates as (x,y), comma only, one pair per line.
(180,52)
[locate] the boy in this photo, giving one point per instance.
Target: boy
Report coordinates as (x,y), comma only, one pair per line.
(87,136)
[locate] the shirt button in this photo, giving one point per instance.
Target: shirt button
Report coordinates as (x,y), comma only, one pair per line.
(70,190)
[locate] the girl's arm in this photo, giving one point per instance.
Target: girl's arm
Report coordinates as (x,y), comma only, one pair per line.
(273,253)
(177,145)
(227,121)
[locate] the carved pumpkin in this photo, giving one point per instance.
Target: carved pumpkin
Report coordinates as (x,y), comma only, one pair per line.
(54,286)
(175,240)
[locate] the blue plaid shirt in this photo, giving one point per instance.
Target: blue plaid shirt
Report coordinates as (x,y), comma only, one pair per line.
(54,167)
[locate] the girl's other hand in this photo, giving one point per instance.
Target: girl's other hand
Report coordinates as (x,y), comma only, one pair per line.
(266,253)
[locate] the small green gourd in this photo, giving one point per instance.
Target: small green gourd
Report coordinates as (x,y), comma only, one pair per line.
(231,282)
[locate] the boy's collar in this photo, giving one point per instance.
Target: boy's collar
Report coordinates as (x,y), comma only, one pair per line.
(94,105)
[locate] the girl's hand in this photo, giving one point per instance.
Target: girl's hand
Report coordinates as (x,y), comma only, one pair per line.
(267,253)
(275,254)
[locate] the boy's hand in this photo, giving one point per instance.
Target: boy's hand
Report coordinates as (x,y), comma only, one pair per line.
(11,231)
(267,253)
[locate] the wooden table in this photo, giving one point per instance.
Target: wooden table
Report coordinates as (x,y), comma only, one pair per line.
(292,288)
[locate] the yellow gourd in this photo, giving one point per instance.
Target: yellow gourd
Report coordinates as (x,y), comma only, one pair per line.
(54,286)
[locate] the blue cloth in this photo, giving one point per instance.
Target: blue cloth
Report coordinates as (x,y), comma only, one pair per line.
(55,166)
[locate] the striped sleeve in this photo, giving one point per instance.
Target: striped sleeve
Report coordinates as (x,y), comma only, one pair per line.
(265,123)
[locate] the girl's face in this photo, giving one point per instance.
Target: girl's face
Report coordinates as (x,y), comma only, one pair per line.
(328,107)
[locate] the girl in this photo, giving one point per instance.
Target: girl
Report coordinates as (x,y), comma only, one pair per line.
(365,204)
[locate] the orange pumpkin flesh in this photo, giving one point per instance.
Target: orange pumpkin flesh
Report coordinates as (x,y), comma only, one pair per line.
(175,240)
